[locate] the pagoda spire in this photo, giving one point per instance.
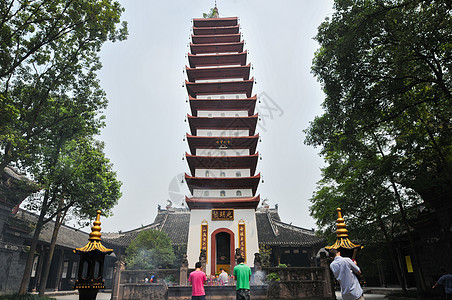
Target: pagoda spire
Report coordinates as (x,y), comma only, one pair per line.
(216,14)
(343,244)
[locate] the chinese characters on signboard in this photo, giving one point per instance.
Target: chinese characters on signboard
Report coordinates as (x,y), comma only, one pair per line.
(242,240)
(204,237)
(222,215)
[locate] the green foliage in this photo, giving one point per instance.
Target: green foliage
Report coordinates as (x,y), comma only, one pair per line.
(25,297)
(265,253)
(273,277)
(213,13)
(48,64)
(386,131)
(282,266)
(151,249)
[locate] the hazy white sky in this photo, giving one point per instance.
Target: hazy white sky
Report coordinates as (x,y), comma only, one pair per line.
(145,118)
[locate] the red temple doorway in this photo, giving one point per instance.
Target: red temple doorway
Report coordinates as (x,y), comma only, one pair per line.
(222,254)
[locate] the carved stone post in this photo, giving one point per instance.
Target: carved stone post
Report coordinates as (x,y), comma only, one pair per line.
(183,271)
(119,267)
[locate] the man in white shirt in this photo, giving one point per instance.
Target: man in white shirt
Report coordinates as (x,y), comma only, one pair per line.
(345,271)
(223,277)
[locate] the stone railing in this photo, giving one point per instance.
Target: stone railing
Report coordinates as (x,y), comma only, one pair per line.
(303,282)
(139,276)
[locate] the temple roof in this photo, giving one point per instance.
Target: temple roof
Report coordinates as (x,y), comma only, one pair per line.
(226,123)
(205,142)
(215,22)
(273,232)
(175,223)
(208,203)
(217,38)
(217,59)
(216,48)
(216,88)
(223,182)
(216,30)
(222,162)
(218,73)
(223,104)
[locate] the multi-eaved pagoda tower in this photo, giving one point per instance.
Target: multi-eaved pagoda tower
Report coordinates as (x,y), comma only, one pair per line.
(222,142)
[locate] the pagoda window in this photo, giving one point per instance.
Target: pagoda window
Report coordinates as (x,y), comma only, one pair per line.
(222,115)
(206,193)
(222,97)
(237,115)
(223,153)
(222,193)
(238,153)
(236,133)
(209,153)
(222,174)
(238,193)
(207,173)
(238,174)
(209,97)
(237,96)
(223,133)
(209,133)
(209,115)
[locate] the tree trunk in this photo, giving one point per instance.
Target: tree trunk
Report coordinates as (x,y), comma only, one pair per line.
(58,221)
(28,266)
(395,265)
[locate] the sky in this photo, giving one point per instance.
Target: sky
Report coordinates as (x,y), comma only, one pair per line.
(143,78)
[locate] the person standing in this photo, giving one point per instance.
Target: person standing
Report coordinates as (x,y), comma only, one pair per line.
(446,281)
(345,271)
(223,277)
(242,274)
(197,279)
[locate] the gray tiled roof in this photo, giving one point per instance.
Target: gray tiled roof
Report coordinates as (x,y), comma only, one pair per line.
(67,236)
(175,223)
(271,231)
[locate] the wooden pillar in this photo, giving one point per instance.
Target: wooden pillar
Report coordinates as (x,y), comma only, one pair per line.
(59,270)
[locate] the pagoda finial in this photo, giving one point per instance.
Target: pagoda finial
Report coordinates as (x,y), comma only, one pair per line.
(216,14)
(341,231)
(342,241)
(94,242)
(95,230)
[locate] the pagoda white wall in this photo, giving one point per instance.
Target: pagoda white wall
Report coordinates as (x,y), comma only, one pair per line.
(227,133)
(222,113)
(222,96)
(216,193)
(218,80)
(220,173)
(222,152)
(194,234)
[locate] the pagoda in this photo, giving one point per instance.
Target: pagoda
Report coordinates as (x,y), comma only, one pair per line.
(222,140)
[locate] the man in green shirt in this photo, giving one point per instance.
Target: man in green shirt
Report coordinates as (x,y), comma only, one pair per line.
(242,274)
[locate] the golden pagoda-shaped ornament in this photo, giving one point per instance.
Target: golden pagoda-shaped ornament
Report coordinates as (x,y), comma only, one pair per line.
(343,244)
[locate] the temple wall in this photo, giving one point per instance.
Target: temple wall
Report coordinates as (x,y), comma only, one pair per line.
(194,235)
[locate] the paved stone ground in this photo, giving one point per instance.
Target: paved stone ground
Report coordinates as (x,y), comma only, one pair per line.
(106,296)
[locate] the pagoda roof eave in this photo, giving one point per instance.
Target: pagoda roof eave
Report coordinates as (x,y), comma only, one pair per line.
(219,104)
(216,38)
(216,30)
(218,88)
(227,123)
(208,203)
(217,47)
(251,182)
(222,162)
(218,73)
(217,59)
(205,142)
(215,22)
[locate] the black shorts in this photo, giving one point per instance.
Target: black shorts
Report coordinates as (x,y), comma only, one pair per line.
(242,294)
(203,297)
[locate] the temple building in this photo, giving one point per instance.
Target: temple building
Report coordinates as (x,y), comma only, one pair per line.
(222,142)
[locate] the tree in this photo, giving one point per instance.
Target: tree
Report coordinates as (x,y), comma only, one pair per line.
(385,69)
(84,183)
(48,60)
(151,249)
